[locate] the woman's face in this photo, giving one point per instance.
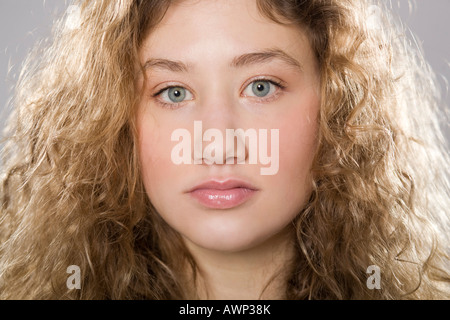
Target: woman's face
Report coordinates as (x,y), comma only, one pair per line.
(214,67)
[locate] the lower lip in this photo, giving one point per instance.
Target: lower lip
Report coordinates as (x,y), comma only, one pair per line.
(222,199)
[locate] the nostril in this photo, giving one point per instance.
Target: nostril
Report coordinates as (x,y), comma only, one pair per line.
(235,156)
(223,146)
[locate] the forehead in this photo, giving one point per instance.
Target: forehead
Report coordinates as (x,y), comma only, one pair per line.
(228,28)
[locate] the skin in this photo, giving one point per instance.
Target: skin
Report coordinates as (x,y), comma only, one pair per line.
(238,250)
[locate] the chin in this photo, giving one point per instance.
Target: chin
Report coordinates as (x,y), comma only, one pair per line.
(231,240)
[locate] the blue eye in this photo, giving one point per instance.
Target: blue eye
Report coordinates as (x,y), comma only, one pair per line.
(175,95)
(260,88)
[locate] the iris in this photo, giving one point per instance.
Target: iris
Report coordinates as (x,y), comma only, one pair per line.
(261,88)
(176,94)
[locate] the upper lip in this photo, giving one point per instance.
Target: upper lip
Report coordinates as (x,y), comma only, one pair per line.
(223,185)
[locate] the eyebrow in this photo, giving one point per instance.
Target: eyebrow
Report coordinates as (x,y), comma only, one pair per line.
(264,57)
(175,66)
(244,60)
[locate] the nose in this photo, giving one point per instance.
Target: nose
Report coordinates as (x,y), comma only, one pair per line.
(218,135)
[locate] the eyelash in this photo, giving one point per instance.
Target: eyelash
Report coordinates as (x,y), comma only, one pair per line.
(167,104)
(278,84)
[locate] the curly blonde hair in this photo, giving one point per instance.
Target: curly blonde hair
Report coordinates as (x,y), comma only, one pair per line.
(72,192)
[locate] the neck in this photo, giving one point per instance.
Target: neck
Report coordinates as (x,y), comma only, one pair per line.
(256,273)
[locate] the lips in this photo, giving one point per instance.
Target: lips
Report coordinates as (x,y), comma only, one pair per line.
(227,194)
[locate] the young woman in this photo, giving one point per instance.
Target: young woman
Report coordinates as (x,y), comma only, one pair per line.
(237,149)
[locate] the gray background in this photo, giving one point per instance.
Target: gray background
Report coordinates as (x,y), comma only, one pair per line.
(23,22)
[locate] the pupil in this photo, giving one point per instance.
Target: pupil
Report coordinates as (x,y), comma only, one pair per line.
(260,87)
(177,93)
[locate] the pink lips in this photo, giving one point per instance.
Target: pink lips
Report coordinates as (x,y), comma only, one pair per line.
(223,194)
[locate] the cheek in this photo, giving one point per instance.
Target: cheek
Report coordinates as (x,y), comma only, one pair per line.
(298,141)
(154,154)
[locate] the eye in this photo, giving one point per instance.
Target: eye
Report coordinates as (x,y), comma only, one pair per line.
(261,88)
(175,95)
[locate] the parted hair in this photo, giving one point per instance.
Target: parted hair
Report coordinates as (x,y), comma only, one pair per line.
(71,190)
